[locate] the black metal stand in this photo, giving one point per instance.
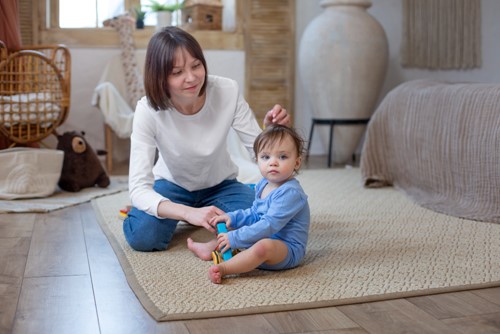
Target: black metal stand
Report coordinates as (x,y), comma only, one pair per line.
(331,122)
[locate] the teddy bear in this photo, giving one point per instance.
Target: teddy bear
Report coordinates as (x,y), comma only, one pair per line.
(81,166)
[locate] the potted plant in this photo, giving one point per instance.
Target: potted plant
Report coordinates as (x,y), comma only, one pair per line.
(139,17)
(163,12)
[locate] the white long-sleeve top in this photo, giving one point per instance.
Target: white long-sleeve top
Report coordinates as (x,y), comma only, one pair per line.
(192,148)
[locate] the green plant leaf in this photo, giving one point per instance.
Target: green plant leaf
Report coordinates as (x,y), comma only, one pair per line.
(157,6)
(139,13)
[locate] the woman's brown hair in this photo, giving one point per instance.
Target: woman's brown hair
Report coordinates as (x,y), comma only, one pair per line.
(160,56)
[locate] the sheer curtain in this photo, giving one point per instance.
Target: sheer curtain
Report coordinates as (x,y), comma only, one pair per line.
(229,15)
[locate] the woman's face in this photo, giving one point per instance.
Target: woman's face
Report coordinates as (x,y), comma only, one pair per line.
(187,77)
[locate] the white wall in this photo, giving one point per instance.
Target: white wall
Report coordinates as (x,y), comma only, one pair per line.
(88,64)
(389,14)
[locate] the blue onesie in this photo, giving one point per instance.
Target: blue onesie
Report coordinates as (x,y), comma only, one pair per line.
(283,215)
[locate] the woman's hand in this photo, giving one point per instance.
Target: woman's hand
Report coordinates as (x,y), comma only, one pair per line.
(277,115)
(195,216)
(203,216)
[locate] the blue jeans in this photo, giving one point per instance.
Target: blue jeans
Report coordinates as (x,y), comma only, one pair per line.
(147,233)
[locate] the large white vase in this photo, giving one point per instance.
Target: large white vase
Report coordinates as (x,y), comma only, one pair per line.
(163,19)
(343,57)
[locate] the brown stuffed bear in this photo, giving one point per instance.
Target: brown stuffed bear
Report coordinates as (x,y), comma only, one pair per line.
(81,167)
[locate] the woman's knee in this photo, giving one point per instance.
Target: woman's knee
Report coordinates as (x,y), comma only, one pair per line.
(146,236)
(135,238)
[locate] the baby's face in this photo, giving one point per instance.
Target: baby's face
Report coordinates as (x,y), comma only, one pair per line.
(278,161)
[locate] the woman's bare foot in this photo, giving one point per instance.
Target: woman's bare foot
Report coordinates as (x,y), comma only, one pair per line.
(203,250)
(215,275)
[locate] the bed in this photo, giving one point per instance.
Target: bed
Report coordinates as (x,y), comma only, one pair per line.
(439,142)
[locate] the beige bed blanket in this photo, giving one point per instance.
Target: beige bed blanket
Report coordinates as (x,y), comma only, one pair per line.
(439,143)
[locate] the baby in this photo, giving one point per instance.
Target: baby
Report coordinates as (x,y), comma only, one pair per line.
(273,233)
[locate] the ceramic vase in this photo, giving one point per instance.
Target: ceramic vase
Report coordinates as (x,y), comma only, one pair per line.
(163,19)
(343,57)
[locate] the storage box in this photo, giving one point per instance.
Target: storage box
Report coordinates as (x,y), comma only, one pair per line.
(202,15)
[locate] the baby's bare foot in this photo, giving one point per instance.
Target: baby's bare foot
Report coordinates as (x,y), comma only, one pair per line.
(201,250)
(215,275)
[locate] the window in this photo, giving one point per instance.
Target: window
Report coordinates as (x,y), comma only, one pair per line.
(88,14)
(92,13)
(80,24)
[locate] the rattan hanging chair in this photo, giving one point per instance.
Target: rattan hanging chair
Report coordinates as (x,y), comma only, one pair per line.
(35,85)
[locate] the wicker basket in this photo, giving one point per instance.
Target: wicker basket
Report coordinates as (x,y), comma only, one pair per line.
(29,172)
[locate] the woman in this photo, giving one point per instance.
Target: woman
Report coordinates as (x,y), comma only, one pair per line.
(185,117)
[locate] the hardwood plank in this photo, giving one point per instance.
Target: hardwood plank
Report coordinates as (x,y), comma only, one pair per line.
(56,305)
(310,320)
(10,288)
(394,316)
(491,294)
(339,331)
(13,255)
(484,324)
(16,225)
(15,232)
(118,308)
(57,246)
(250,324)
(454,305)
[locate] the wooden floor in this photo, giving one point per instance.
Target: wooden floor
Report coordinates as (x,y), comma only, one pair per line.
(58,274)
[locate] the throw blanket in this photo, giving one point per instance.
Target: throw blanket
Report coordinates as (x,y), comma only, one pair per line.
(440,143)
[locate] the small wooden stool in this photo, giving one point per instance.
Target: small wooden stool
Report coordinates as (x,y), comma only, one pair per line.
(331,122)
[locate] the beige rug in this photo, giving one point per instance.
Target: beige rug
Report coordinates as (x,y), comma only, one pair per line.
(61,199)
(365,245)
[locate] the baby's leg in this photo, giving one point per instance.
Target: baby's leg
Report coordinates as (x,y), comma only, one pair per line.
(215,275)
(265,250)
(203,250)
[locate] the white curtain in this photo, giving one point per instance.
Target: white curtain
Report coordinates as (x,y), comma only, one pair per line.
(229,15)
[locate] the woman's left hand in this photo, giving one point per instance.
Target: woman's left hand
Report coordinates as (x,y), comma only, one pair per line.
(277,115)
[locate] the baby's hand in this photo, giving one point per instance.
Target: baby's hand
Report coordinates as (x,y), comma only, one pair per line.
(223,243)
(222,218)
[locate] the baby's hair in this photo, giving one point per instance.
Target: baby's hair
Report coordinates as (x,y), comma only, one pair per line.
(275,134)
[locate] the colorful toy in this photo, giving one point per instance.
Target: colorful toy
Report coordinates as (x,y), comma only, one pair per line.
(124,212)
(217,255)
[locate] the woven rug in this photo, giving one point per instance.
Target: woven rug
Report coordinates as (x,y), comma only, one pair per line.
(62,199)
(365,245)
